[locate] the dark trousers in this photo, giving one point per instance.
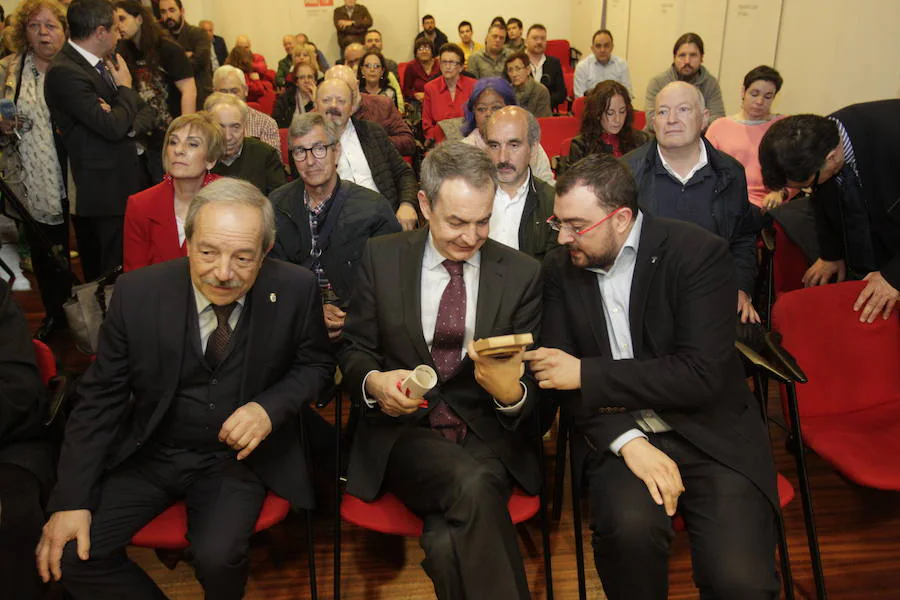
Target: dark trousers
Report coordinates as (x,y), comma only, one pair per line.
(55,285)
(730,522)
(99,244)
(460,491)
(223,499)
(21,519)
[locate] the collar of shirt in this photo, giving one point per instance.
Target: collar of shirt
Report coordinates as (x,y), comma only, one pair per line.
(88,56)
(230,161)
(432,259)
(847,145)
(519,196)
(627,253)
(537,66)
(443,87)
(203,302)
(701,162)
(613,60)
(322,209)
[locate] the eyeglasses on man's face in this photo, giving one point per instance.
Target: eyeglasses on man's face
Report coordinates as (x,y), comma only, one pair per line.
(557,225)
(317,150)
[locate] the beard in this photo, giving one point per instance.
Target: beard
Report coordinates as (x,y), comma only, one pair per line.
(172,24)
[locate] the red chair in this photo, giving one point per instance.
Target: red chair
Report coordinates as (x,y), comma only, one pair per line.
(569,78)
(285,152)
(46,362)
(789,264)
(639,119)
(555,131)
(578,107)
(562,50)
(401,71)
(255,106)
(267,101)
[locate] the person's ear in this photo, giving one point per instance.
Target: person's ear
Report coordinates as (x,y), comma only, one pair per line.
(424,205)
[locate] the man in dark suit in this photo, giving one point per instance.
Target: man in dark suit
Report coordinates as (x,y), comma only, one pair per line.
(26,456)
(546,69)
(195,42)
(522,203)
(219,51)
(639,337)
(92,103)
(423,296)
(202,369)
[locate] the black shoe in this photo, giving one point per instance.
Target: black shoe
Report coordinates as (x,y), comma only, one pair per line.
(48,326)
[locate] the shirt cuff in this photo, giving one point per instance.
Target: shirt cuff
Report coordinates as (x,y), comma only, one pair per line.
(513,409)
(632,434)
(369,402)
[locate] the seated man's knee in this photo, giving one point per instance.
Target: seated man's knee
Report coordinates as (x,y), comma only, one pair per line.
(214,556)
(478,484)
(436,540)
(631,528)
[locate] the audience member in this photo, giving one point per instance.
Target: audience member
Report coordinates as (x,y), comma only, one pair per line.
(446,96)
(431,33)
(244,157)
(453,457)
(491,61)
(352,55)
(93,106)
(514,40)
(639,344)
(367,156)
(468,45)
(522,202)
(26,456)
(373,41)
(257,87)
(601,65)
(231,80)
(299,96)
(154,218)
(530,95)
(323,65)
(258,61)
(687,66)
(287,62)
(218,51)
(545,69)
(308,55)
(323,223)
(420,71)
(195,42)
(38,34)
(162,74)
(681,176)
(488,96)
(607,125)
(351,21)
(377,109)
(739,135)
(498,20)
(374,78)
(849,162)
(195,395)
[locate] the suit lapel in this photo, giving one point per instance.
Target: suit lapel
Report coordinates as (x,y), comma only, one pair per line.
(78,59)
(592,301)
(411,291)
(264,305)
(175,304)
(490,290)
(650,254)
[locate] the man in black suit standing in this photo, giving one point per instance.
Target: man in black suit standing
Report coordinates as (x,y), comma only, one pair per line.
(92,103)
(219,51)
(195,42)
(639,337)
(546,69)
(203,365)
(423,296)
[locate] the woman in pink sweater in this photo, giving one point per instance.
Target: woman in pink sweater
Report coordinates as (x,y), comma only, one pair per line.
(739,135)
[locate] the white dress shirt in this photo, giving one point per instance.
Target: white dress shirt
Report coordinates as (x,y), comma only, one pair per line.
(702,161)
(507,214)
(353,165)
(537,68)
(589,72)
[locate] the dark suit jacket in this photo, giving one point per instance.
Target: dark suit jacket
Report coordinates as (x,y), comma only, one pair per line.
(125,393)
(363,214)
(552,78)
(258,163)
(196,41)
(384,332)
(362,20)
(685,366)
(395,179)
(383,111)
(104,160)
(221,49)
(535,236)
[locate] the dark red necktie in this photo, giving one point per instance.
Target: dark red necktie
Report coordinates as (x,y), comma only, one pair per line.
(217,344)
(446,348)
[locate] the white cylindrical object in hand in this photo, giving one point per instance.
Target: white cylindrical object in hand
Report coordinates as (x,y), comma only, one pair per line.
(419,382)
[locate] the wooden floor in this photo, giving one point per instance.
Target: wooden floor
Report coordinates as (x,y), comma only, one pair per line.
(859,534)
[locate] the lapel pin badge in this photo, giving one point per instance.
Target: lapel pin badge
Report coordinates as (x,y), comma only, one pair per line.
(653,260)
(273,297)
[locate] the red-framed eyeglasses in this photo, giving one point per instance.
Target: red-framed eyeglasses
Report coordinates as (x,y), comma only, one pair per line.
(555,224)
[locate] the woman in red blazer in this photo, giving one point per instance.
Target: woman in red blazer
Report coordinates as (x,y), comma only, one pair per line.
(154,218)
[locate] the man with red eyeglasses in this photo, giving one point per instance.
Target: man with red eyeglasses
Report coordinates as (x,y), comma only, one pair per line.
(638,342)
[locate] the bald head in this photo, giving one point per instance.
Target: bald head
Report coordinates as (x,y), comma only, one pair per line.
(352,53)
(519,116)
(680,116)
(348,76)
(334,99)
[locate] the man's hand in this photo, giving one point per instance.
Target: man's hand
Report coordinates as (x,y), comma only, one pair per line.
(822,271)
(499,376)
(344,23)
(334,320)
(554,369)
(419,96)
(106,107)
(384,387)
(878,297)
(246,428)
(745,308)
(63,526)
(254,76)
(774,200)
(119,70)
(658,472)
(407,216)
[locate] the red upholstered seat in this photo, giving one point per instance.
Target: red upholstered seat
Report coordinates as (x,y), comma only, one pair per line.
(46,362)
(850,407)
(285,153)
(578,107)
(388,515)
(555,131)
(562,50)
(789,263)
(639,120)
(168,530)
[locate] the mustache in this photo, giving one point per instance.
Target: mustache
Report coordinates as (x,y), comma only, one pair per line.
(229,284)
(505,165)
(336,112)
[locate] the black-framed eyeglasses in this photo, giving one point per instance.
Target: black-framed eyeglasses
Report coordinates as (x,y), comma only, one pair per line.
(317,150)
(556,225)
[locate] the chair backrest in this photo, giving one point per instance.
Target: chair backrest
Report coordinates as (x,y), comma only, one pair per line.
(850,365)
(789,263)
(555,131)
(639,120)
(569,79)
(578,107)
(560,49)
(255,106)
(46,362)
(267,101)
(401,71)
(285,153)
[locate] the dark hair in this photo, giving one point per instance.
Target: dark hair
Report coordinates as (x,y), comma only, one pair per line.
(498,20)
(177,3)
(688,38)
(426,17)
(609,179)
(422,41)
(764,73)
(456,160)
(463,23)
(520,55)
(498,85)
(516,21)
(368,31)
(382,82)
(151,31)
(85,16)
(451,47)
(536,26)
(240,57)
(598,32)
(794,148)
(597,103)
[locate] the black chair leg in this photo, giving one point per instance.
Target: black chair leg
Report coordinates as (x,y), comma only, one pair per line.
(787,577)
(311,555)
(545,521)
(338,405)
(576,518)
(562,438)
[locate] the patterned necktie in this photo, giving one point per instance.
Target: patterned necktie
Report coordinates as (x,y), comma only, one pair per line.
(106,75)
(217,345)
(446,348)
